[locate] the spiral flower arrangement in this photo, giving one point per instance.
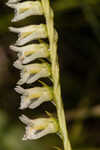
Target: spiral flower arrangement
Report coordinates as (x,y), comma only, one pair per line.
(31,71)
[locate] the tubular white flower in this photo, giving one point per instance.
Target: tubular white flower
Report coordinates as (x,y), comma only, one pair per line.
(38,128)
(33,97)
(31,52)
(29,33)
(32,72)
(26,9)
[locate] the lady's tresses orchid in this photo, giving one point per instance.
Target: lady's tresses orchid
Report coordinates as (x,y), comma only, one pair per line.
(29,33)
(38,128)
(31,52)
(32,72)
(33,97)
(26,9)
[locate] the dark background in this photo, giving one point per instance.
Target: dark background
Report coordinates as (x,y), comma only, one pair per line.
(78,25)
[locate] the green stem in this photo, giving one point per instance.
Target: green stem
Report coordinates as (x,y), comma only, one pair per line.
(53,38)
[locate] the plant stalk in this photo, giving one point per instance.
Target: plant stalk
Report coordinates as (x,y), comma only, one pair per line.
(53,38)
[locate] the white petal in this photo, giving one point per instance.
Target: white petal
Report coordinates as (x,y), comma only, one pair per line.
(24,77)
(20,90)
(35,77)
(24,102)
(31,58)
(34,56)
(25,120)
(15,48)
(37,103)
(31,134)
(13,29)
(12,5)
(13,1)
(17,64)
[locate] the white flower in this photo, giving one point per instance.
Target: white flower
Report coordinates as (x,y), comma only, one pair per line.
(33,97)
(26,9)
(32,72)
(29,33)
(38,128)
(31,52)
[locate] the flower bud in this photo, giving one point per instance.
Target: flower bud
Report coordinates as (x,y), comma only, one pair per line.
(31,52)
(29,33)
(38,128)
(26,9)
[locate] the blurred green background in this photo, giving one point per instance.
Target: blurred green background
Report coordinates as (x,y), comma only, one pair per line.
(78,25)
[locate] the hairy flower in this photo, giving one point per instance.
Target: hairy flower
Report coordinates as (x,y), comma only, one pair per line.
(29,33)
(33,97)
(32,72)
(38,128)
(26,9)
(31,52)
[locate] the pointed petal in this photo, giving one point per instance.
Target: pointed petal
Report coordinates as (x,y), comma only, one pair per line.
(36,103)
(17,64)
(25,120)
(24,77)
(15,48)
(20,90)
(24,102)
(13,1)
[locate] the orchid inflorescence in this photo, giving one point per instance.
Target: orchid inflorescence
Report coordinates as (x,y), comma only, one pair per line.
(31,71)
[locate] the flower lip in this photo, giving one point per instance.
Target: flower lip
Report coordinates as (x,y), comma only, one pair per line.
(38,128)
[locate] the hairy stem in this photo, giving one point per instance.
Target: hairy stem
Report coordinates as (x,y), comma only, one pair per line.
(53,37)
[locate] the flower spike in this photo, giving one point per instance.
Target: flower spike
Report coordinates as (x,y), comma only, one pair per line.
(38,128)
(29,33)
(32,72)
(44,38)
(33,97)
(31,52)
(26,9)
